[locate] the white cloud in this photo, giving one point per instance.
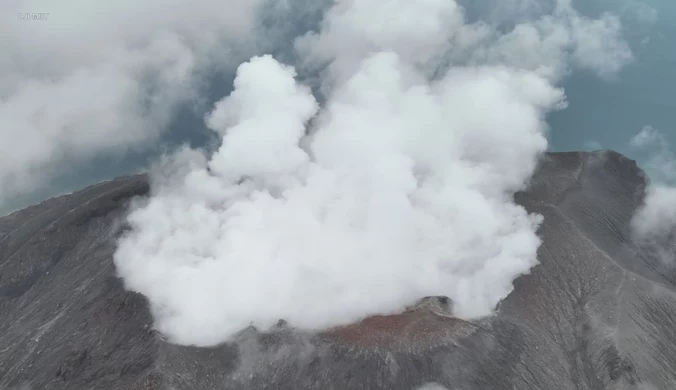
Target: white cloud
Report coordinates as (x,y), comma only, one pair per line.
(553,44)
(655,222)
(661,165)
(550,44)
(77,86)
(658,216)
(648,136)
(418,32)
(101,78)
(598,45)
(403,189)
(639,10)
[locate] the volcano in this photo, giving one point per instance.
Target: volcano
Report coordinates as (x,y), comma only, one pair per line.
(598,312)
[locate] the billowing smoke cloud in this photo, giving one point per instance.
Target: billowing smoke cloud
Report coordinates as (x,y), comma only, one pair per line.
(661,165)
(655,222)
(76,86)
(403,193)
(84,80)
(398,186)
(435,34)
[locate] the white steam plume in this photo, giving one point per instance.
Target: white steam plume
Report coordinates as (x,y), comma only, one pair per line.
(661,165)
(86,79)
(655,222)
(403,189)
(432,386)
(429,34)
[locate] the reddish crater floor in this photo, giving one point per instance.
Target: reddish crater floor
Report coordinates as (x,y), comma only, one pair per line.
(423,325)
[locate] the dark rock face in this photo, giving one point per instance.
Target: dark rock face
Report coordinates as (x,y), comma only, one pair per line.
(597,313)
(65,320)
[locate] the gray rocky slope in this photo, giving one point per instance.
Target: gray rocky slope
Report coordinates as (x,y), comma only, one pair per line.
(597,313)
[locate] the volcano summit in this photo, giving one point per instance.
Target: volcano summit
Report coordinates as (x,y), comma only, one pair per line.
(597,312)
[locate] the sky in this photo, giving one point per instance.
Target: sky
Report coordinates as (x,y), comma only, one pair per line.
(304,155)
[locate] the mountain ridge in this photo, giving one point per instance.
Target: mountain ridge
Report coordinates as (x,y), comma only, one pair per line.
(597,312)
